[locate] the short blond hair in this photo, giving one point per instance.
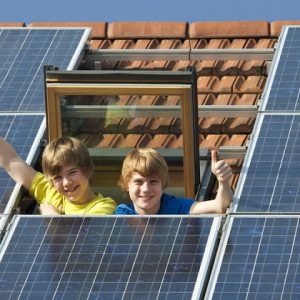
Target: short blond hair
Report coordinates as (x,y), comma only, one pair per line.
(147,162)
(63,152)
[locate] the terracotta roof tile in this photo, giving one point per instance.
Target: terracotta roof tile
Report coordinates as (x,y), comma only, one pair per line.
(240,125)
(130,141)
(206,99)
(99,44)
(12,24)
(233,67)
(213,125)
(236,140)
(233,29)
(91,140)
(206,67)
(276,27)
(111,141)
(214,84)
(163,141)
(250,84)
(146,30)
(98,28)
(212,141)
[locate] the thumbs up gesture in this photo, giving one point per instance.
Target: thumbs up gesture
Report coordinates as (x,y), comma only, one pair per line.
(220,168)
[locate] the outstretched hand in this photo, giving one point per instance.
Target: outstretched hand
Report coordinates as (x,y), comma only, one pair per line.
(220,168)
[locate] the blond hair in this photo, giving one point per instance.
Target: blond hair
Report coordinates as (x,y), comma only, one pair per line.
(145,161)
(63,152)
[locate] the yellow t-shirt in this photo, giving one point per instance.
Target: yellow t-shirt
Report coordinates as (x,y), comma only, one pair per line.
(43,192)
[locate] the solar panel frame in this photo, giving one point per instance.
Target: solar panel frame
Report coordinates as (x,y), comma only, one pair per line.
(258,259)
(52,252)
(3,222)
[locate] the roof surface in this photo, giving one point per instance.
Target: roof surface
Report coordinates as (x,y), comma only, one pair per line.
(220,82)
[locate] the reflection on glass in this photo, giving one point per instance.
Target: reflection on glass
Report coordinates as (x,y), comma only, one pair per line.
(111,125)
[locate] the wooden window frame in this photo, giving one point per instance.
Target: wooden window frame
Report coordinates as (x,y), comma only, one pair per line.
(81,83)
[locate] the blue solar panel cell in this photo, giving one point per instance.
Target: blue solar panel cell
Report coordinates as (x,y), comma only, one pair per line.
(284,89)
(20,131)
(272,178)
(260,260)
(23,53)
(103,257)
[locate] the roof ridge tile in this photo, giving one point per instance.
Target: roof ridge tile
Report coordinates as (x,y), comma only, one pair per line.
(229,29)
(12,24)
(138,30)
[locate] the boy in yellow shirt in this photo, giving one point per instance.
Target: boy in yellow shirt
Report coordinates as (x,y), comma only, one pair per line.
(64,188)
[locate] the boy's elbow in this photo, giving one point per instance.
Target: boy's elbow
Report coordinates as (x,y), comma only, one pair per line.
(222,207)
(220,210)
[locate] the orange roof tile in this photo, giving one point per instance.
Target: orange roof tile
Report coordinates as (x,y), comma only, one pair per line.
(137,30)
(234,29)
(12,24)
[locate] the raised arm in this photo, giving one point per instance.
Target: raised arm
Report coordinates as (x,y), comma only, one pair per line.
(15,166)
(224,195)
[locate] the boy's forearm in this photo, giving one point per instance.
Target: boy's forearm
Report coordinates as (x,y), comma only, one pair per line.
(14,165)
(216,206)
(7,154)
(224,197)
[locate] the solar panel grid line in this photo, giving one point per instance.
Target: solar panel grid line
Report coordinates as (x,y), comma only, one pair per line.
(255,261)
(247,161)
(159,275)
(282,87)
(164,274)
(274,65)
(135,259)
(105,251)
(268,180)
(281,163)
(30,49)
(41,63)
(68,258)
(260,261)
(11,64)
(31,267)
(289,262)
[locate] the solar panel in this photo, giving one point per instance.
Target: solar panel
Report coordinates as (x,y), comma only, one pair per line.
(23,53)
(260,260)
(20,131)
(103,257)
(282,90)
(272,172)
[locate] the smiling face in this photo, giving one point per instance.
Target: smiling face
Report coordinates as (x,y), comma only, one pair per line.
(72,183)
(145,193)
